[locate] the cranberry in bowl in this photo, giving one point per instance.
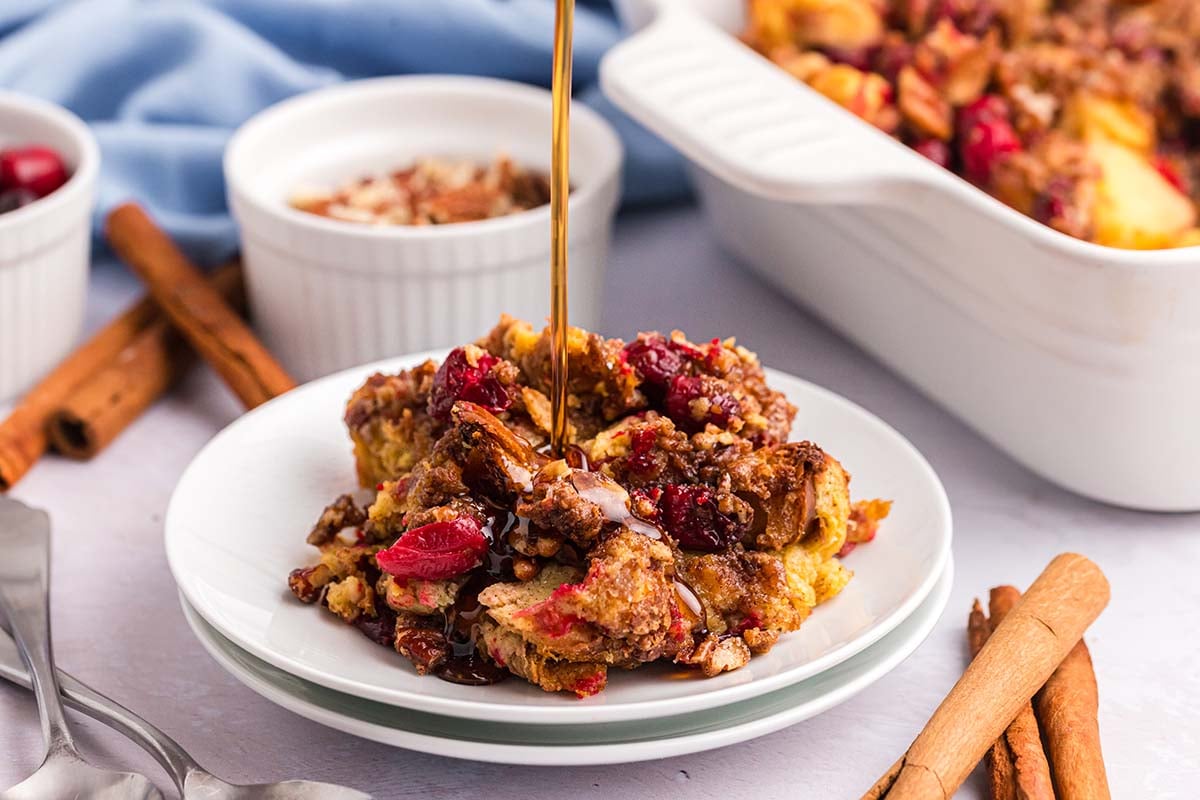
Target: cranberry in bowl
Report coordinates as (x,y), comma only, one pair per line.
(392,215)
(48,166)
(29,173)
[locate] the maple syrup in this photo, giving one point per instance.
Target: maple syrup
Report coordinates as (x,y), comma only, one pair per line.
(560,188)
(465,664)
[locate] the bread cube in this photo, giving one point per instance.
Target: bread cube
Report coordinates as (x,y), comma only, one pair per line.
(1136,207)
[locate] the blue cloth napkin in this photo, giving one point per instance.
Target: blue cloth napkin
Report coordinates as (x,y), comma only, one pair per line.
(164,82)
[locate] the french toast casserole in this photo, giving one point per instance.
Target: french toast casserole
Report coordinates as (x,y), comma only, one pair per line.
(1083,114)
(680,524)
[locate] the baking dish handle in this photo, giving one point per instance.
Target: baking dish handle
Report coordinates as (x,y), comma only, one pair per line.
(751,124)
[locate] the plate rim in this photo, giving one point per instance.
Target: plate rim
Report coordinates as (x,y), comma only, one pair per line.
(565,714)
(583,754)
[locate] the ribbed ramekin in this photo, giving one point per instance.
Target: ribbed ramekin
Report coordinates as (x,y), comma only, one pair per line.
(44,246)
(328,294)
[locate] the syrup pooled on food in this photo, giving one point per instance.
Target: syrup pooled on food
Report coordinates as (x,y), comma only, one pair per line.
(691,601)
(613,501)
(463,663)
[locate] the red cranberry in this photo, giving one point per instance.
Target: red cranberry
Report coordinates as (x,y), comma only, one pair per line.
(685,389)
(436,551)
(689,514)
(1053,203)
(550,616)
(858,57)
(713,353)
(590,685)
(655,360)
(893,56)
(641,496)
(987,107)
(35,169)
(969,16)
(679,626)
(555,623)
(935,150)
(456,379)
(751,620)
(641,450)
(986,137)
(864,529)
(1170,171)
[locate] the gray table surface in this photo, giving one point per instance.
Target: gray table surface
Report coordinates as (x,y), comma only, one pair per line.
(118,624)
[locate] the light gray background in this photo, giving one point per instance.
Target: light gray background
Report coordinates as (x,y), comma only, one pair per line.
(119,627)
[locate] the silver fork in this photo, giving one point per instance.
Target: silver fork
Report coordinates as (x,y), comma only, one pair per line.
(193,782)
(25,600)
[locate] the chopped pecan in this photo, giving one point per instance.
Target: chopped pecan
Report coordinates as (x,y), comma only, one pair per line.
(307,583)
(923,107)
(340,514)
(425,647)
(431,192)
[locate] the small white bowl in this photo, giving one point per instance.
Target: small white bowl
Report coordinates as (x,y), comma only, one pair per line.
(328,294)
(44,246)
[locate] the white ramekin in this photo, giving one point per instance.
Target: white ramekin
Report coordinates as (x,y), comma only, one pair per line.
(44,246)
(328,294)
(1080,361)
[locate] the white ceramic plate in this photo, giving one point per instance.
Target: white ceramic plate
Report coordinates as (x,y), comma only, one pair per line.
(575,745)
(237,521)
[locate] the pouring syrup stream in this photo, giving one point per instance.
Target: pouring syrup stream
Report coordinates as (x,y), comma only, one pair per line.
(463,664)
(560,188)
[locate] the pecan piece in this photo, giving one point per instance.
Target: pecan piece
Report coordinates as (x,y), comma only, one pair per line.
(340,514)
(426,648)
(307,583)
(923,107)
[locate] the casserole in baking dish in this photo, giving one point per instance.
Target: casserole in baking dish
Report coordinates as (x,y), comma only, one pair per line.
(1079,360)
(1083,114)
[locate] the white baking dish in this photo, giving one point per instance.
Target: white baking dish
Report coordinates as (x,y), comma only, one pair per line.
(329,294)
(1081,361)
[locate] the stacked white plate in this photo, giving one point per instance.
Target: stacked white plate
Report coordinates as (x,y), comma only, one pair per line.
(236,527)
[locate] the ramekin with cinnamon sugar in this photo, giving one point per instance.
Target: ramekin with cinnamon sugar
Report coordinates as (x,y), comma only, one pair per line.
(330,292)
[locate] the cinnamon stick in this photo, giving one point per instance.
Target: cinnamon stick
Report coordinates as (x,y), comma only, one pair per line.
(1067,709)
(1019,656)
(195,308)
(23,437)
(1017,762)
(1002,779)
(106,402)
